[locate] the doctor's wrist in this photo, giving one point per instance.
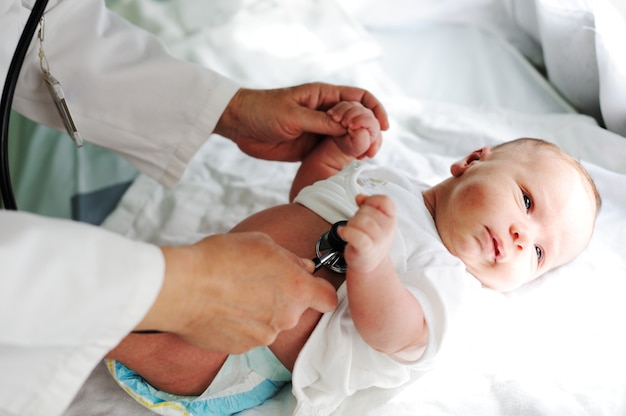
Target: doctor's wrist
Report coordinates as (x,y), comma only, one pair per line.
(230,120)
(168,312)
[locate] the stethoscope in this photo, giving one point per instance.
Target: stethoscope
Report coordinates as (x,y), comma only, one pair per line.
(329,250)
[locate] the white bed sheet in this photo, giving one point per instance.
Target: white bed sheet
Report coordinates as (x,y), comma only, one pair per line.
(553,347)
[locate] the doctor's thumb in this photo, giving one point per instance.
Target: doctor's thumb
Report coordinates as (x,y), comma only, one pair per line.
(322,294)
(323,297)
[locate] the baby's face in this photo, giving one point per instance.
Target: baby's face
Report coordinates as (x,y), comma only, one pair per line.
(513,216)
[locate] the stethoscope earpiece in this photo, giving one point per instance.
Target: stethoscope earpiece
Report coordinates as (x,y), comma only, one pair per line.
(329,250)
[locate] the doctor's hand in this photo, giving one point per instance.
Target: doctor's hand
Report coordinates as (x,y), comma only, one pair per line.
(232,292)
(287,123)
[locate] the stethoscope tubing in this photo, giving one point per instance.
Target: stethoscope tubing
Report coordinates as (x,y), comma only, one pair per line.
(6,188)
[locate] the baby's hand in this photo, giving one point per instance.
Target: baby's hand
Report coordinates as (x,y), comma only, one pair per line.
(363,138)
(369,233)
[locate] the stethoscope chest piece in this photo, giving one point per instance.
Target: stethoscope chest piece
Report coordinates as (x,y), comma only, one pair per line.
(329,250)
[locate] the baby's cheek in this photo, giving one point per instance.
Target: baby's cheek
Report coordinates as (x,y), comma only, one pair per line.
(473,195)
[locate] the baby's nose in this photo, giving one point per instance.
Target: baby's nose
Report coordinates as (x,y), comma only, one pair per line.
(521,234)
(519,243)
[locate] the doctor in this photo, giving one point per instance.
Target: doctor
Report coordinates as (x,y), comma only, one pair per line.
(70,292)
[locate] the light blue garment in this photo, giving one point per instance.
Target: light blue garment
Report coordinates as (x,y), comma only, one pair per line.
(244,381)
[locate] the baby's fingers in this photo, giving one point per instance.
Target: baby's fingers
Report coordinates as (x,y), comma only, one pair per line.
(369,233)
(359,242)
(373,223)
(344,111)
(360,144)
(381,203)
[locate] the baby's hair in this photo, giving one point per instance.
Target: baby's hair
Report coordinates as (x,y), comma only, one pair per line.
(546,145)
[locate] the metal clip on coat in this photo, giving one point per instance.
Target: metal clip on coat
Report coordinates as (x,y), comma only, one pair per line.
(56,91)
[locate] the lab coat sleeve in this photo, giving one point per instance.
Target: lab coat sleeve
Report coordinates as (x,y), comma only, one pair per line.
(69,293)
(125,91)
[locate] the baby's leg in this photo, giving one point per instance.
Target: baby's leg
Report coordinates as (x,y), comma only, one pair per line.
(170,364)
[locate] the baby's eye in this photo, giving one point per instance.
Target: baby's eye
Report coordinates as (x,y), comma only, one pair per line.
(539,252)
(528,203)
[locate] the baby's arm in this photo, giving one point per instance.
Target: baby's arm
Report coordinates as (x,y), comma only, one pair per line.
(385,313)
(328,158)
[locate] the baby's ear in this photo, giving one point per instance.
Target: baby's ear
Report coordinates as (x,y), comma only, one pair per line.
(459,167)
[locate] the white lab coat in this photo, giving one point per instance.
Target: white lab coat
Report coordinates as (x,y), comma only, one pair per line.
(70,292)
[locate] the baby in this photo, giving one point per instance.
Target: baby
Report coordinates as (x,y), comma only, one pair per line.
(415,254)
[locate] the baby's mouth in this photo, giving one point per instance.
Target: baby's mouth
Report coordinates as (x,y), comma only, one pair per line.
(495,248)
(496,245)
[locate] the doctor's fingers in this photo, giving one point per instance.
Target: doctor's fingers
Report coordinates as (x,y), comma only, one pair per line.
(246,290)
(315,99)
(293,289)
(329,95)
(270,282)
(278,304)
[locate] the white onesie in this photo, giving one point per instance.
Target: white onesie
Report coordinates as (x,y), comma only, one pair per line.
(336,362)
